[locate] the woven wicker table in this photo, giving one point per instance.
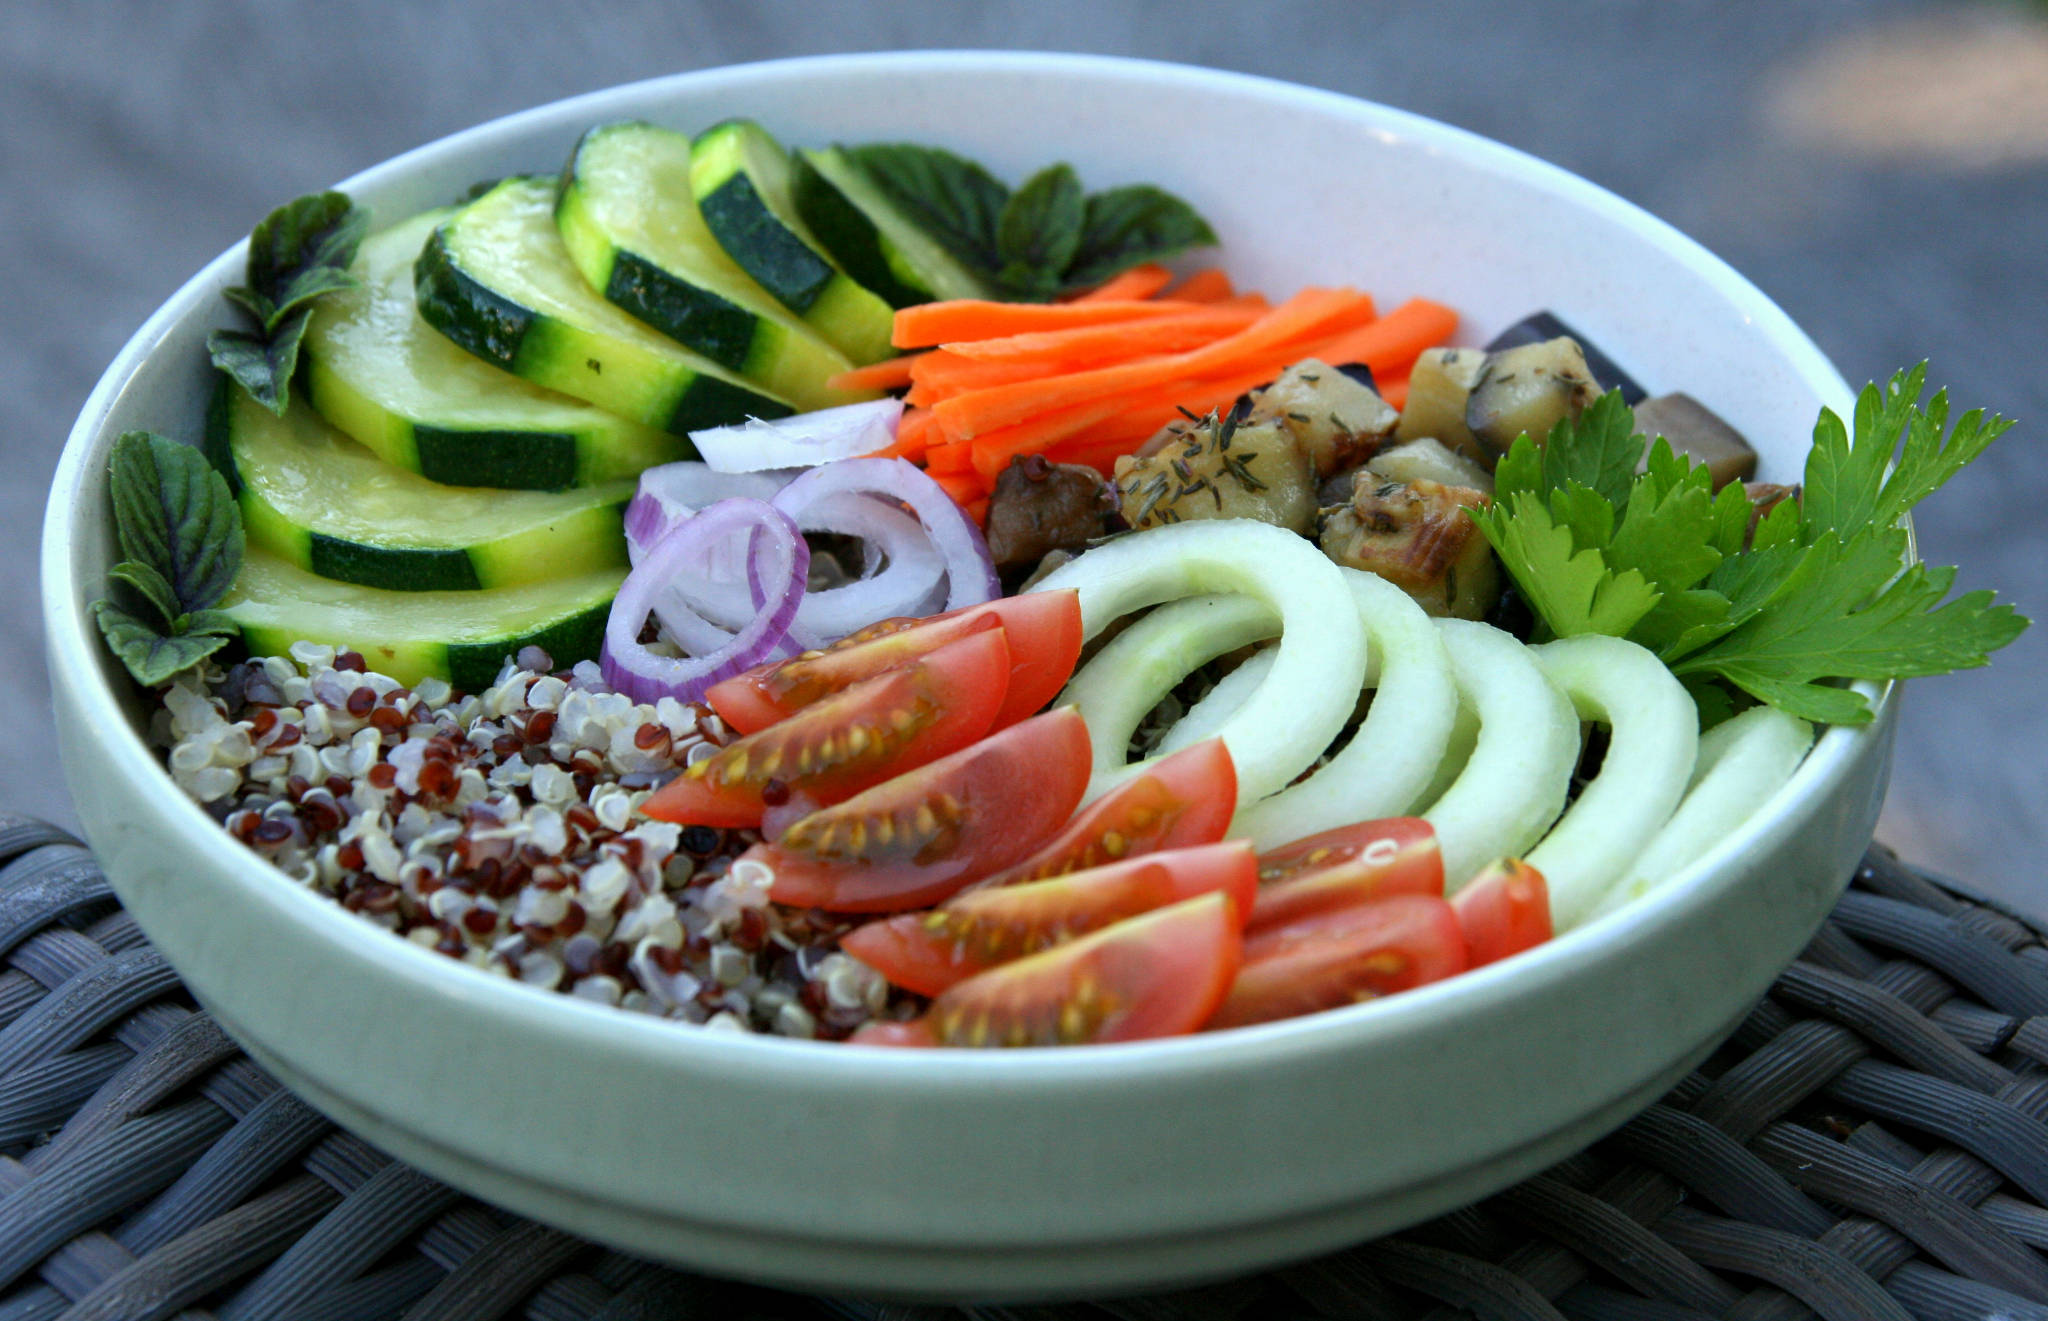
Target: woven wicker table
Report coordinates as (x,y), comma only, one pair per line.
(1870,1146)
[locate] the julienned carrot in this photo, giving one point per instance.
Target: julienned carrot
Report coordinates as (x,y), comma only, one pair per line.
(1312,311)
(1395,392)
(968,318)
(977,510)
(1137,282)
(888,374)
(964,487)
(1392,343)
(1072,350)
(1205,286)
(949,458)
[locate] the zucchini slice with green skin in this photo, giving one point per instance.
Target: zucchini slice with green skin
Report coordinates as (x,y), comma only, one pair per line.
(388,379)
(315,498)
(496,279)
(875,238)
(631,227)
(745,188)
(463,637)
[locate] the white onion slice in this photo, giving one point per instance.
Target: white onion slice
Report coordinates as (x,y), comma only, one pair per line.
(1653,741)
(802,441)
(702,548)
(1515,782)
(1742,762)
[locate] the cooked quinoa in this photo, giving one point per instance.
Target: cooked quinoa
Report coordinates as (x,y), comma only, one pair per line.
(501,828)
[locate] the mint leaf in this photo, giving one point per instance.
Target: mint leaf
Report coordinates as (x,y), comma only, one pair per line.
(262,366)
(302,249)
(1572,590)
(152,656)
(951,198)
(147,583)
(210,621)
(173,513)
(1039,231)
(1129,226)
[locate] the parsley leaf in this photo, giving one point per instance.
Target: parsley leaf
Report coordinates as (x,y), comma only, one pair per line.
(181,532)
(296,253)
(1819,589)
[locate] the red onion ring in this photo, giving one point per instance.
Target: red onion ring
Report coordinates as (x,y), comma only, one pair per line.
(777,561)
(672,492)
(970,571)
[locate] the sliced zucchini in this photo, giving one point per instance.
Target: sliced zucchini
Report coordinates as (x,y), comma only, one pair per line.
(866,230)
(315,498)
(463,637)
(626,214)
(496,279)
(384,376)
(745,189)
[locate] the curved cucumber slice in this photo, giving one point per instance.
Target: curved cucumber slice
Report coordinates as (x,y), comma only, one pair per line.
(1220,703)
(1742,762)
(875,238)
(745,189)
(1386,767)
(496,279)
(1653,742)
(388,379)
(463,637)
(315,498)
(1317,672)
(1514,782)
(627,218)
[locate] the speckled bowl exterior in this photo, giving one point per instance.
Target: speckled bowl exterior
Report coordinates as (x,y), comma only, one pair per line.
(1032,1173)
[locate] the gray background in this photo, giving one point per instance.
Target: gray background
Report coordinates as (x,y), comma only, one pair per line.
(1881,169)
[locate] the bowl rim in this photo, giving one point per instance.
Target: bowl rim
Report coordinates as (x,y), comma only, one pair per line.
(73,642)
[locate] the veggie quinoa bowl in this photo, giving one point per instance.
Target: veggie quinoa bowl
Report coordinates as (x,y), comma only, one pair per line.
(960,1172)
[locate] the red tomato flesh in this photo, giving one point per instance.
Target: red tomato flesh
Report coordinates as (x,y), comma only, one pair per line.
(1186,799)
(1157,975)
(1503,910)
(1342,957)
(1043,629)
(916,1032)
(869,733)
(1346,866)
(972,932)
(915,840)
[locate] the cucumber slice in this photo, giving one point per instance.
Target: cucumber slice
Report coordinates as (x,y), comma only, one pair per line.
(1654,733)
(745,189)
(496,279)
(875,238)
(384,376)
(1514,783)
(318,500)
(463,637)
(629,222)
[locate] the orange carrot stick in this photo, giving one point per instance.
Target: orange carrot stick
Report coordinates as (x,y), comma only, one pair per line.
(1205,286)
(1137,282)
(978,511)
(1392,343)
(888,374)
(1394,391)
(964,487)
(969,318)
(1073,350)
(949,458)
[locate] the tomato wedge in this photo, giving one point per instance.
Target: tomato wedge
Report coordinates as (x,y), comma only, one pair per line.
(1504,910)
(872,732)
(975,931)
(1344,956)
(1044,633)
(1346,866)
(1157,975)
(914,840)
(1186,799)
(916,1032)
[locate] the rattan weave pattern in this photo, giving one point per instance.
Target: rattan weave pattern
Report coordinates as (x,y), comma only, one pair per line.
(1871,1145)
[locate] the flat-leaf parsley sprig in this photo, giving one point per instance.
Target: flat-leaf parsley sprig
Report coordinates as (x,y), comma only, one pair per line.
(1819,589)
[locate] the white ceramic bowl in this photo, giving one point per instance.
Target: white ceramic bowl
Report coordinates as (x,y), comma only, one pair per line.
(1029,1173)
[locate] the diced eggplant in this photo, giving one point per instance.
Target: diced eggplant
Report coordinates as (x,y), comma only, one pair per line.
(1528,389)
(1339,422)
(1694,429)
(1038,507)
(1418,536)
(1219,468)
(1439,387)
(1429,460)
(1540,326)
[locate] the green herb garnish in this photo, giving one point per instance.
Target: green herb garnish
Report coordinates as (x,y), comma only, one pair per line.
(1045,239)
(1821,590)
(298,252)
(180,533)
